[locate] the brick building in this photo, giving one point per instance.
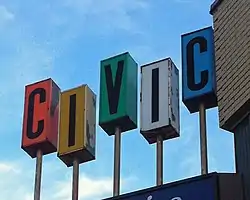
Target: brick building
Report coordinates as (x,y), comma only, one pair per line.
(231,20)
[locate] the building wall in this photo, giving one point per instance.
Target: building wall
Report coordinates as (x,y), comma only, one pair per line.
(232,58)
(242,153)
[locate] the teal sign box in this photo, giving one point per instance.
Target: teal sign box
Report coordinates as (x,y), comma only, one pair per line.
(118,94)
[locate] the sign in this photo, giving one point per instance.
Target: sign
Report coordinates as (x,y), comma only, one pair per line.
(40,120)
(198,69)
(160,100)
(118,94)
(77,135)
(206,187)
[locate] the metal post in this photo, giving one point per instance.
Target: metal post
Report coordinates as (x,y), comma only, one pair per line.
(75,179)
(117,162)
(38,175)
(203,139)
(159,160)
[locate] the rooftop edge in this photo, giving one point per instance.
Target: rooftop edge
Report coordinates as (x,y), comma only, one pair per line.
(214,5)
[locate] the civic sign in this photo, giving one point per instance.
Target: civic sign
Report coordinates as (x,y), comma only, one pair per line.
(77,135)
(40,119)
(206,187)
(160,100)
(118,94)
(198,69)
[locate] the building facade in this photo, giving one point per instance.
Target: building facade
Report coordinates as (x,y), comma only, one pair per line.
(231,19)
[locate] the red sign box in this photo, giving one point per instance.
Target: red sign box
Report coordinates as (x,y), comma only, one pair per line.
(41,115)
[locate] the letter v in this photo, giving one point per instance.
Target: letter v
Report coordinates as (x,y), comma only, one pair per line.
(114,89)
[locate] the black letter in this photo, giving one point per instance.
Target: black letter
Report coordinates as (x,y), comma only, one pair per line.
(72,120)
(30,134)
(114,89)
(155,95)
(190,64)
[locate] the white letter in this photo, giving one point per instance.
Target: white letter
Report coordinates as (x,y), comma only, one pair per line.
(176,198)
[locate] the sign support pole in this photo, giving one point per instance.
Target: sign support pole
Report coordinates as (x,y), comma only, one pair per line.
(38,175)
(159,160)
(203,139)
(75,179)
(117,162)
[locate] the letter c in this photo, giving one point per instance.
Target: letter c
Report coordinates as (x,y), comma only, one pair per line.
(31,102)
(176,198)
(190,64)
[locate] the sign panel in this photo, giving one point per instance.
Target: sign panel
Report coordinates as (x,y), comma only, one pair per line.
(198,69)
(40,120)
(174,105)
(211,186)
(90,132)
(204,189)
(77,125)
(118,93)
(159,100)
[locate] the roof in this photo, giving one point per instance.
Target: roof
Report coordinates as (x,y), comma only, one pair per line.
(214,5)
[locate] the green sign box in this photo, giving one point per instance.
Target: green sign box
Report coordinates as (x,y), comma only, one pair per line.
(118,93)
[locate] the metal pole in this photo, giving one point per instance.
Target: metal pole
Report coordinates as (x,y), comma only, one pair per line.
(38,175)
(159,160)
(203,139)
(117,162)
(75,181)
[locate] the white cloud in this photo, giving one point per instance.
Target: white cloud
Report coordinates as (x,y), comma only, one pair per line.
(8,168)
(12,181)
(55,188)
(5,15)
(105,16)
(109,7)
(28,196)
(95,188)
(90,188)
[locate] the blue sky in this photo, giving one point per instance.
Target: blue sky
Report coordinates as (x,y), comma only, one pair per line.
(65,40)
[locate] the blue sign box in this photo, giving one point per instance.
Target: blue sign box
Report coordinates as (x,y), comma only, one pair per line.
(198,69)
(205,187)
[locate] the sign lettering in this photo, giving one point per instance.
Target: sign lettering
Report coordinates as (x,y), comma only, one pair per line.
(118,93)
(159,100)
(198,70)
(155,95)
(72,120)
(40,118)
(202,42)
(114,88)
(77,125)
(175,198)
(31,103)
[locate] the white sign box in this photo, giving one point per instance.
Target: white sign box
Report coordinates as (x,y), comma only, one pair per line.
(160,112)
